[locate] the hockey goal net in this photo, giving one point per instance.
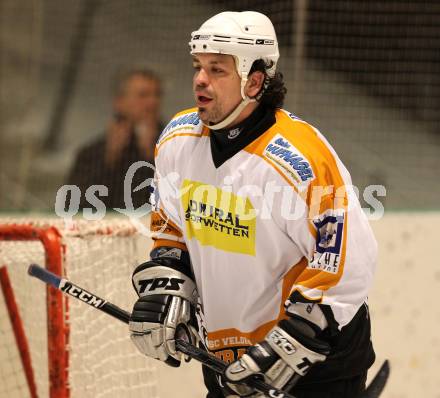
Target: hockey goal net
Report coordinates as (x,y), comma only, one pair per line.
(54,347)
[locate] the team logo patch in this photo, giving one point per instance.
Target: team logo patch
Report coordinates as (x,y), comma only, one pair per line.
(218,218)
(329,235)
(290,161)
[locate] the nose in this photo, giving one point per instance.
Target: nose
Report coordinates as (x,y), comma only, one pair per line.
(201,78)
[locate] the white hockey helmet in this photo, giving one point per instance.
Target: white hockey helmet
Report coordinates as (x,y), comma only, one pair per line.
(247,36)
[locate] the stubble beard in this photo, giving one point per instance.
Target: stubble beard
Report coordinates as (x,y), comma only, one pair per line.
(213,116)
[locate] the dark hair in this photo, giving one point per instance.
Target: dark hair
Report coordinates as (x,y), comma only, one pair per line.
(122,77)
(274,91)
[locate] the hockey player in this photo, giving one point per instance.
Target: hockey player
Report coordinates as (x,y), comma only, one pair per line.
(256,230)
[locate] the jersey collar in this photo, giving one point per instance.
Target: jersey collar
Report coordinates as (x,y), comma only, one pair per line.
(225,143)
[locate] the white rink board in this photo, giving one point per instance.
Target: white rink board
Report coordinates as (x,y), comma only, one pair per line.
(404,303)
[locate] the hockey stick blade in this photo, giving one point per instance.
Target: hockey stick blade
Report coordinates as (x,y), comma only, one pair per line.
(378,383)
(207,359)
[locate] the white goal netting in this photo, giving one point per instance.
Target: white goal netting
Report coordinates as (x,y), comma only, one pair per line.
(100,359)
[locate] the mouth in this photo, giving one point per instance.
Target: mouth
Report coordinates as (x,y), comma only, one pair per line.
(203,100)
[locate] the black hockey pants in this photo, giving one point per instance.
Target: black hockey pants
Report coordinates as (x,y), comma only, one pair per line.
(347,388)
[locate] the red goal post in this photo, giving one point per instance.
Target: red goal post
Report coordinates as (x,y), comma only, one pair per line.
(100,255)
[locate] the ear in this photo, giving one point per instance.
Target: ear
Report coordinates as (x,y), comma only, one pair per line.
(254,84)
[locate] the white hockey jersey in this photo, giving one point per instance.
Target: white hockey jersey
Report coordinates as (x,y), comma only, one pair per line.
(277,219)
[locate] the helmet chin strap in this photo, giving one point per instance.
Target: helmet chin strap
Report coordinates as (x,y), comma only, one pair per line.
(236,112)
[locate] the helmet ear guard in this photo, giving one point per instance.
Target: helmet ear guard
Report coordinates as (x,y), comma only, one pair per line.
(247,36)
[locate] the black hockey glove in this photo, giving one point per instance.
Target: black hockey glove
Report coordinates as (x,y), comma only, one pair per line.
(287,353)
(166,305)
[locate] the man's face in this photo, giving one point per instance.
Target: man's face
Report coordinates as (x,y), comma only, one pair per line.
(140,99)
(216,86)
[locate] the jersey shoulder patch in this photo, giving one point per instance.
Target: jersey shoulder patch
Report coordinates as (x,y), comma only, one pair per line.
(285,151)
(301,153)
(289,161)
(186,122)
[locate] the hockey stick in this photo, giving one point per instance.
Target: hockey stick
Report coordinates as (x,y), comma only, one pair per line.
(377,385)
(373,391)
(186,348)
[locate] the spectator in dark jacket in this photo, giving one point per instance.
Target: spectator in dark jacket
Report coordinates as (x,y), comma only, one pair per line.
(130,136)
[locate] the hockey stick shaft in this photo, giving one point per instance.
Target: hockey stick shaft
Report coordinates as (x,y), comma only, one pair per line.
(373,391)
(79,293)
(186,348)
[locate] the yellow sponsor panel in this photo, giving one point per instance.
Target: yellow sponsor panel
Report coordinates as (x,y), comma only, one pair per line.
(218,218)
